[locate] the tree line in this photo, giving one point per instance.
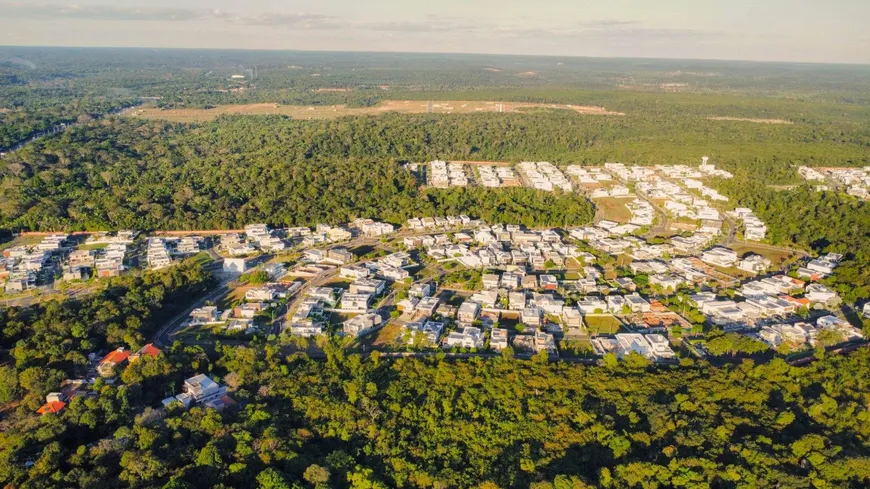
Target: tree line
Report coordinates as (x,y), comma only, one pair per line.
(354,422)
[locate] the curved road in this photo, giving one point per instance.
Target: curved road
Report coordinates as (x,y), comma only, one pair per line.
(165,336)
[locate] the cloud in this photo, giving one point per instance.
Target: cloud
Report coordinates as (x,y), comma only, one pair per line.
(47,11)
(97,12)
(609,30)
(293,20)
(607,23)
(431,25)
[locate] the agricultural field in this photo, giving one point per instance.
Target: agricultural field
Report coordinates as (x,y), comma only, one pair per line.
(334,111)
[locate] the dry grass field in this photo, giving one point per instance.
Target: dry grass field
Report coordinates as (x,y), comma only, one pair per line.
(614,209)
(777,257)
(333,111)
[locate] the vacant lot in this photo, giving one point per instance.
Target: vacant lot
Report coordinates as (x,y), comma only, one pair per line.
(776,256)
(22,241)
(747,119)
(614,209)
(333,111)
(602,324)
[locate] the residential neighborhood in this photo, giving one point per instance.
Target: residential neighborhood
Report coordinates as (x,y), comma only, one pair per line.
(666,260)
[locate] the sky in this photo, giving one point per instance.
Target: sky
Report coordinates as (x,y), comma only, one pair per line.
(832,31)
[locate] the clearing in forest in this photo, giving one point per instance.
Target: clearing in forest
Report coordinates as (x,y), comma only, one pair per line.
(333,111)
(747,119)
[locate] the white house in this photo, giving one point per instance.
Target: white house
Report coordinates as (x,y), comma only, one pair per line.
(355,302)
(467,337)
(362,325)
(819,294)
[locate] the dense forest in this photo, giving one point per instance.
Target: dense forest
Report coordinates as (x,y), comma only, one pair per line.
(41,87)
(49,342)
(349,422)
(119,173)
(822,222)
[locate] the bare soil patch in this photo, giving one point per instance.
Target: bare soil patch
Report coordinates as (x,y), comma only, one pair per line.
(747,119)
(333,111)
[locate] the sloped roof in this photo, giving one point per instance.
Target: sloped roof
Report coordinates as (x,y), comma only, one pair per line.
(150,350)
(116,356)
(51,407)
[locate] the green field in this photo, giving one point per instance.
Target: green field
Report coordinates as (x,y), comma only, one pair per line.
(605,324)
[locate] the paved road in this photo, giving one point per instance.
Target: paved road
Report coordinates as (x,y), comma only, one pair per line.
(166,335)
(661,227)
(59,128)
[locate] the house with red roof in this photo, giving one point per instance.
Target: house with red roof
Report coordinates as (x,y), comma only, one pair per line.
(148,350)
(54,407)
(55,402)
(106,366)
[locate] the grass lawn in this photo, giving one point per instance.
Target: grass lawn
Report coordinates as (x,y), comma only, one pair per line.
(98,246)
(22,241)
(202,258)
(572,264)
(602,324)
(339,284)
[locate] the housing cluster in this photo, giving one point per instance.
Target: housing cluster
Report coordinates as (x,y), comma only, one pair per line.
(853,181)
(667,260)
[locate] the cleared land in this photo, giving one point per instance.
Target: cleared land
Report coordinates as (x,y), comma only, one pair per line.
(614,209)
(747,119)
(603,324)
(776,257)
(333,111)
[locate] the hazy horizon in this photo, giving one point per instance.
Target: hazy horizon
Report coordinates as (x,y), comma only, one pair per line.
(739,30)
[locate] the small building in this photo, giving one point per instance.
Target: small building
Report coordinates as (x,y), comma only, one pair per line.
(367,286)
(148,350)
(355,302)
(467,337)
(532,316)
(490,281)
(428,305)
(116,358)
(548,282)
(235,265)
(468,312)
(362,325)
(498,339)
(203,390)
(572,317)
(421,290)
(51,407)
(204,315)
(340,255)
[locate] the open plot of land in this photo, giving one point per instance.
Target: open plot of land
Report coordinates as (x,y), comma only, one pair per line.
(234,297)
(333,111)
(602,324)
(776,256)
(386,336)
(748,119)
(22,240)
(614,209)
